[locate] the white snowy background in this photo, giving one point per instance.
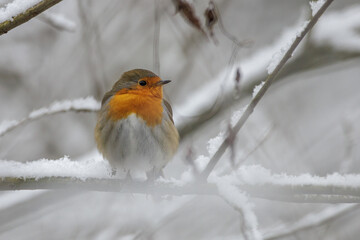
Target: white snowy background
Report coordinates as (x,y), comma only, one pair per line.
(304,132)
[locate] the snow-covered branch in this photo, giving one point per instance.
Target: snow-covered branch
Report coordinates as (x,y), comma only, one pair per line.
(20,11)
(256,181)
(284,193)
(88,104)
(273,69)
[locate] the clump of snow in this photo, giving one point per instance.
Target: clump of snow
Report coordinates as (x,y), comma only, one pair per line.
(316,5)
(200,164)
(15,8)
(279,55)
(344,23)
(240,202)
(173,181)
(258,175)
(257,88)
(276,58)
(214,143)
(59,21)
(63,167)
(302,28)
(88,103)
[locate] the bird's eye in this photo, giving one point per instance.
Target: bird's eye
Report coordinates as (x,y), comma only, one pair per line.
(142,83)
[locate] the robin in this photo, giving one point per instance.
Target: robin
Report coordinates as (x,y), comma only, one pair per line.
(135,130)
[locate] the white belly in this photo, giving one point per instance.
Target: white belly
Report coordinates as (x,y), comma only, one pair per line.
(131,145)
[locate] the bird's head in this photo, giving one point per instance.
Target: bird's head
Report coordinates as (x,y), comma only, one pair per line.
(138,81)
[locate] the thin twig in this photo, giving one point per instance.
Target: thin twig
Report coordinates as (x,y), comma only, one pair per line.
(221,150)
(258,145)
(156,49)
(231,37)
(27,15)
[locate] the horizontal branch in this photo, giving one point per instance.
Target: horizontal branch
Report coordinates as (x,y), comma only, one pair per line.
(285,193)
(25,16)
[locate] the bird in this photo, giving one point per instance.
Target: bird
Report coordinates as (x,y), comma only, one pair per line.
(135,129)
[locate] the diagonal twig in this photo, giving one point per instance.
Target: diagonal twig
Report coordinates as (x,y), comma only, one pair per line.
(26,15)
(250,108)
(310,221)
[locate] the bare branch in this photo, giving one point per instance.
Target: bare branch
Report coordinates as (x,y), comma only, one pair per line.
(221,150)
(27,15)
(213,16)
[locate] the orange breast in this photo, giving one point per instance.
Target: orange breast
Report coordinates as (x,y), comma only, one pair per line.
(143,104)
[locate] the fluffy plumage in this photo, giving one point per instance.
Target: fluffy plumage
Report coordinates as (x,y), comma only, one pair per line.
(135,129)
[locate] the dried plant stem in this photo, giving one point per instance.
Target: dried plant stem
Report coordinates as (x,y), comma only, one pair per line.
(27,15)
(221,150)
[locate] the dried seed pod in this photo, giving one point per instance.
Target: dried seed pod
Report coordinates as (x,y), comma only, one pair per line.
(187,11)
(211,18)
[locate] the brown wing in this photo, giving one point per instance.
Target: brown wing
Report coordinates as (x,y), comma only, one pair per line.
(168,110)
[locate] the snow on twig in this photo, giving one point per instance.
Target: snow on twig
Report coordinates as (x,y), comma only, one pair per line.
(88,104)
(256,175)
(58,21)
(93,174)
(15,8)
(279,55)
(255,100)
(20,11)
(315,5)
(63,167)
(251,69)
(240,202)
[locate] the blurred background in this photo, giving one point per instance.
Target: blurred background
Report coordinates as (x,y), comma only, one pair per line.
(308,121)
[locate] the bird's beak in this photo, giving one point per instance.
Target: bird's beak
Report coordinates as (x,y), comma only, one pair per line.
(162,82)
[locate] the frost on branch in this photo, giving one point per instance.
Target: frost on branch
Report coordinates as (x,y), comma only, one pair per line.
(240,202)
(258,175)
(15,8)
(93,167)
(278,56)
(88,104)
(81,104)
(257,88)
(316,5)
